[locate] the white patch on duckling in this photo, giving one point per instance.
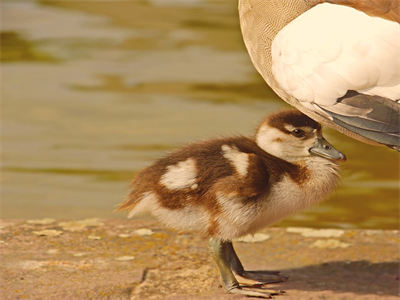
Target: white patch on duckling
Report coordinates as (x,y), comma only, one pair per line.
(270,140)
(283,145)
(238,159)
(289,127)
(180,176)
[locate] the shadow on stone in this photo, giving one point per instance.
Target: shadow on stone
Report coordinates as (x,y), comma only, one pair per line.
(359,277)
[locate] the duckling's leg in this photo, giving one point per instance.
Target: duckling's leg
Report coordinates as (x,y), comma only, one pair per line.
(260,277)
(221,252)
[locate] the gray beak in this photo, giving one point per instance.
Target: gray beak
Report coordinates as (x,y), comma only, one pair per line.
(322,148)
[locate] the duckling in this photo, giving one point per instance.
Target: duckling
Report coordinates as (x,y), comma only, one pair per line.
(229,187)
(337,61)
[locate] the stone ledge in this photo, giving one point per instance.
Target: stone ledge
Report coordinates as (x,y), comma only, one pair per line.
(136,259)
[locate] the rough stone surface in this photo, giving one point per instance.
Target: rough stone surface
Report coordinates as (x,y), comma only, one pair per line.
(171,265)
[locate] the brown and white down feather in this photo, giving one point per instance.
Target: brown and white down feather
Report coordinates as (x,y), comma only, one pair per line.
(229,187)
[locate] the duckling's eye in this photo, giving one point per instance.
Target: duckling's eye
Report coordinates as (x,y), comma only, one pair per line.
(298,133)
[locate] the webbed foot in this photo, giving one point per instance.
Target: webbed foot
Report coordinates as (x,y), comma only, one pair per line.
(255,292)
(261,277)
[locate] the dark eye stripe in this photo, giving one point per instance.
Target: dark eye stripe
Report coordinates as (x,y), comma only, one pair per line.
(298,133)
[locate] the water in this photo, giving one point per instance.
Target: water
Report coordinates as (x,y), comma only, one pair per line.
(94,91)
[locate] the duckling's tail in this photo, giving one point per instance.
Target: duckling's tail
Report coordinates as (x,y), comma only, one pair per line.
(129,202)
(133,198)
(140,200)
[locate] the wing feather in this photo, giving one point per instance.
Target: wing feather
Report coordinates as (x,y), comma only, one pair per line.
(373,117)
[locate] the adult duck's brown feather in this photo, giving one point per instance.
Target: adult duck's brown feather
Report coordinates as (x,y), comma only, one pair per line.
(387,9)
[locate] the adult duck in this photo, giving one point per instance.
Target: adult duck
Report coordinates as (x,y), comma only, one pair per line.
(337,61)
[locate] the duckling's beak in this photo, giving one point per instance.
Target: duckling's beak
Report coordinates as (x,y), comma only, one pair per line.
(322,148)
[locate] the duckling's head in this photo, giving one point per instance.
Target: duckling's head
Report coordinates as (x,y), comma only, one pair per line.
(293,136)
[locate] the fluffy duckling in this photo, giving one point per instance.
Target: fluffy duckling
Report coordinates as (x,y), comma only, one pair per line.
(227,188)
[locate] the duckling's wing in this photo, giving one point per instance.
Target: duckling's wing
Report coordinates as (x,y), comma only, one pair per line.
(344,65)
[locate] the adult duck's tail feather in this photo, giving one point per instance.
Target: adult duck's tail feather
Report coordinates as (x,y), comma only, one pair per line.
(378,120)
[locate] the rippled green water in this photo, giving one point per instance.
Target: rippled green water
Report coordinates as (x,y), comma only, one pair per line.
(94,91)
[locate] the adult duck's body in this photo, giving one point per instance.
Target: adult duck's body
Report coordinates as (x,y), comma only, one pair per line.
(337,62)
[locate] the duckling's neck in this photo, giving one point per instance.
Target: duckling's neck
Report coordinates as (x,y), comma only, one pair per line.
(317,161)
(323,176)
(311,181)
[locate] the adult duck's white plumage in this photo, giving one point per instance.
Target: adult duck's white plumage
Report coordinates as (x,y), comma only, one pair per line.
(348,50)
(335,63)
(226,188)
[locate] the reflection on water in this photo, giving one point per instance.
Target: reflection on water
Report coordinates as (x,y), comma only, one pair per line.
(94,91)
(15,48)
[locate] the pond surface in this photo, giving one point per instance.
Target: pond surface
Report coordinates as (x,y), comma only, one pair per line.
(93,91)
